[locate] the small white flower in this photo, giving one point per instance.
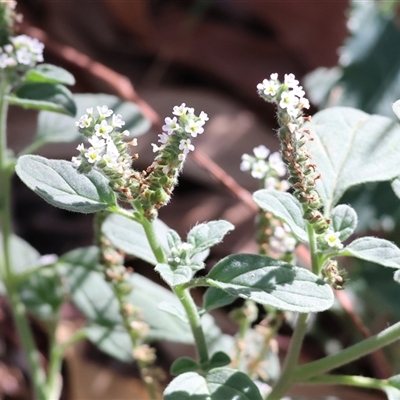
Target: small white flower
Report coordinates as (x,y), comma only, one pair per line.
(97,144)
(84,122)
(163,138)
(104,111)
(92,155)
(203,117)
(259,169)
(180,110)
(185,145)
(171,125)
(246,163)
(77,161)
(155,147)
(332,238)
(271,183)
(268,88)
(117,121)
(304,103)
(24,56)
(288,100)
(111,148)
(194,127)
(89,110)
(261,152)
(290,81)
(81,148)
(103,129)
(275,161)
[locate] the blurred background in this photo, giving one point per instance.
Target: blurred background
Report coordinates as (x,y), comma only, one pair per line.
(211,54)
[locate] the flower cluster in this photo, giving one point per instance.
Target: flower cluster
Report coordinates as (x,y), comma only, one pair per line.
(268,168)
(110,153)
(107,151)
(22,51)
(290,101)
(175,142)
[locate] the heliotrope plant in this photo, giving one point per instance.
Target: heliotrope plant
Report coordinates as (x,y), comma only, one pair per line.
(300,190)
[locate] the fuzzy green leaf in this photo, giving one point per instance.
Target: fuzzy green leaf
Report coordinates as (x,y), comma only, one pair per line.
(206,235)
(59,183)
(219,359)
(44,96)
(218,384)
(48,73)
(216,298)
(57,128)
(184,364)
(130,237)
(271,282)
(285,207)
(344,221)
(351,147)
(174,277)
(396,276)
(379,251)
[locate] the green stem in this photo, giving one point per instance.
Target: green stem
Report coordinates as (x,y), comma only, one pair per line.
(347,380)
(286,380)
(18,309)
(367,346)
(195,323)
(153,240)
(313,249)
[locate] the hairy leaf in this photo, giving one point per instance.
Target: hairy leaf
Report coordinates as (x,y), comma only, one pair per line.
(285,207)
(379,251)
(344,221)
(60,184)
(218,384)
(271,282)
(48,73)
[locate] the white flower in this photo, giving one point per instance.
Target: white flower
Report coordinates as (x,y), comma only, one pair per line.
(7,61)
(89,110)
(24,56)
(163,138)
(92,155)
(104,111)
(180,110)
(271,183)
(203,117)
(288,101)
(268,87)
(171,125)
(275,161)
(304,103)
(185,145)
(97,144)
(261,152)
(111,148)
(103,129)
(84,122)
(194,127)
(77,161)
(332,238)
(246,163)
(117,121)
(290,81)
(259,169)
(155,147)
(81,148)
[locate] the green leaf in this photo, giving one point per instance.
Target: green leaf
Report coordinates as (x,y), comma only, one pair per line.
(206,235)
(23,257)
(42,293)
(216,298)
(173,309)
(96,300)
(112,340)
(48,73)
(59,183)
(129,236)
(184,364)
(219,359)
(393,389)
(285,207)
(344,221)
(44,96)
(173,239)
(271,282)
(379,251)
(174,277)
(57,128)
(351,147)
(218,384)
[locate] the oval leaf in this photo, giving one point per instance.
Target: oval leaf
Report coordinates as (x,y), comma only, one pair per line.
(271,282)
(184,364)
(206,235)
(60,184)
(344,221)
(44,96)
(57,128)
(48,73)
(379,251)
(218,384)
(129,236)
(216,298)
(352,147)
(285,207)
